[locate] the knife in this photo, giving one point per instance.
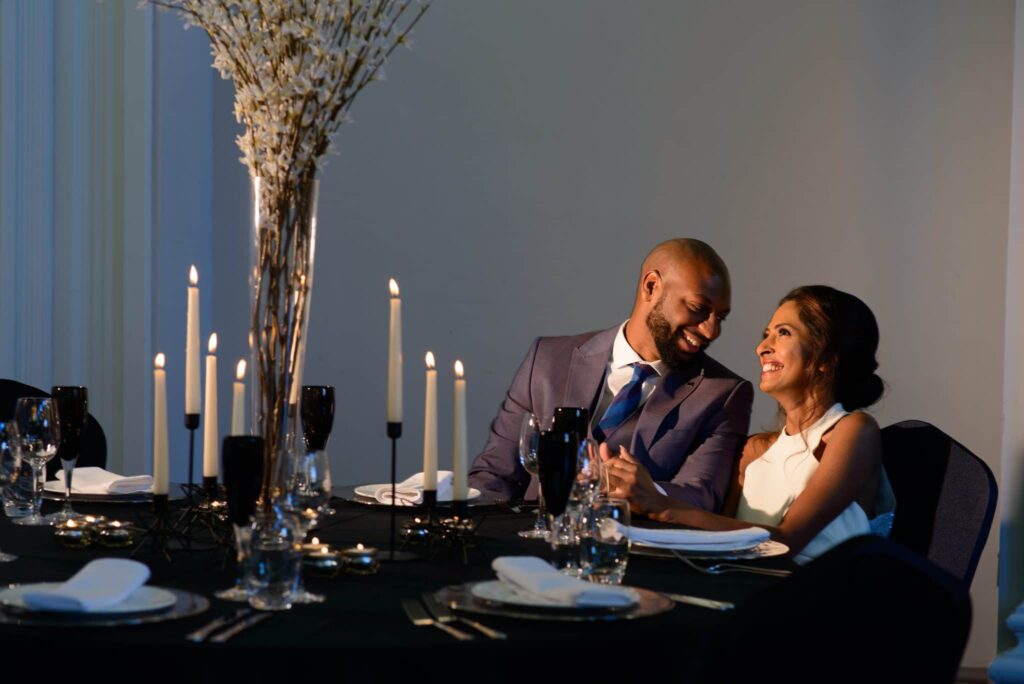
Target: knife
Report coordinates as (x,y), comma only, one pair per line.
(442,612)
(243,625)
(702,602)
(206,630)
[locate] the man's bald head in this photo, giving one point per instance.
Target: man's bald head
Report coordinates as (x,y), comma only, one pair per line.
(672,255)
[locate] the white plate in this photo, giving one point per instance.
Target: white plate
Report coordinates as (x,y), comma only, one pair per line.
(143,600)
(496,591)
(367,491)
(766,549)
(57,487)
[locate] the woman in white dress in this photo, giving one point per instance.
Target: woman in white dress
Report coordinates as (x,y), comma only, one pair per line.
(819,480)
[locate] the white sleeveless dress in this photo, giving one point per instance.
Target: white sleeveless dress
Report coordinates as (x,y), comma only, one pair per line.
(773,482)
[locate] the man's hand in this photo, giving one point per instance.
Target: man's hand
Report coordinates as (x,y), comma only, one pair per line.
(629,480)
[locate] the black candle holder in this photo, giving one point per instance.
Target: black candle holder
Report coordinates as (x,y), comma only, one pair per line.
(191,424)
(159,533)
(394,432)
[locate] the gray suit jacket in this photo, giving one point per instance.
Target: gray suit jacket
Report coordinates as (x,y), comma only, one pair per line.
(688,434)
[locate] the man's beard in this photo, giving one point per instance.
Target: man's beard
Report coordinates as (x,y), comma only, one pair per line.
(665,341)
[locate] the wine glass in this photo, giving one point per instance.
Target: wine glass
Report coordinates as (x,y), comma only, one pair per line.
(529,438)
(243,477)
(10,469)
(317,421)
(72,412)
(303,489)
(589,473)
(38,437)
(556,458)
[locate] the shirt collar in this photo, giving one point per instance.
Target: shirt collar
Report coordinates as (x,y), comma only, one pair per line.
(623,354)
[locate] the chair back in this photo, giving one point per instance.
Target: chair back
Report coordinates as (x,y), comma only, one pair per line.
(867,610)
(94,440)
(945,496)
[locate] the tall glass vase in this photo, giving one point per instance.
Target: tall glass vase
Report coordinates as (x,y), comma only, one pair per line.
(281,283)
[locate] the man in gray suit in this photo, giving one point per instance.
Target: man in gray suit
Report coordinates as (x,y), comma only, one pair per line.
(648,384)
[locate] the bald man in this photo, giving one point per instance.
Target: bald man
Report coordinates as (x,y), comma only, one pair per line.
(647,382)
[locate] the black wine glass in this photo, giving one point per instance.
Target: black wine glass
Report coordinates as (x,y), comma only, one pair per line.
(573,419)
(317,415)
(72,413)
(556,460)
(243,477)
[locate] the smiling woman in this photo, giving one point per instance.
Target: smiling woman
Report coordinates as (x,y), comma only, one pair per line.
(816,482)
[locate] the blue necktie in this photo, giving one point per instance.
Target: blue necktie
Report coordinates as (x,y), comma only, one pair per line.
(625,402)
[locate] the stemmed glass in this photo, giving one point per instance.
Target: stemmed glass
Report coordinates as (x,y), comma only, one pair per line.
(72,413)
(10,468)
(38,437)
(243,477)
(556,458)
(529,438)
(317,421)
(303,488)
(589,473)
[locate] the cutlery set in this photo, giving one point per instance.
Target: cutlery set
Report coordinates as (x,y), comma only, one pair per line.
(434,613)
(722,568)
(227,626)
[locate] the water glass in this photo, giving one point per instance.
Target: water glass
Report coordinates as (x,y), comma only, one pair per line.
(38,437)
(273,561)
(604,541)
(15,474)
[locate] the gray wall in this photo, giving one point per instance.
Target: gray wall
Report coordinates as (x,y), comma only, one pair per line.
(516,165)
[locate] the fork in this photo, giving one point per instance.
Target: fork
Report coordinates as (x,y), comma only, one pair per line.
(722,568)
(418,615)
(445,615)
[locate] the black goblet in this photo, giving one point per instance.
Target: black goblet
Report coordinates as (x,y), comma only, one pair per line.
(317,415)
(72,413)
(573,419)
(243,477)
(556,460)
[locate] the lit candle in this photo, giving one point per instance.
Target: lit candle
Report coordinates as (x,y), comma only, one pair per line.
(460,491)
(238,400)
(395,357)
(430,428)
(192,346)
(160,466)
(210,409)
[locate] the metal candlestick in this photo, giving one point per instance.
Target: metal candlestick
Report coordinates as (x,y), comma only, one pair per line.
(394,432)
(191,423)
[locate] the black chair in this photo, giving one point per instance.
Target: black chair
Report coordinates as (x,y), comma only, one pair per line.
(869,610)
(945,496)
(94,441)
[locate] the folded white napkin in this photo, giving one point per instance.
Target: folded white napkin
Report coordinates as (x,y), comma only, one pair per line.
(700,539)
(533,576)
(100,584)
(92,480)
(410,492)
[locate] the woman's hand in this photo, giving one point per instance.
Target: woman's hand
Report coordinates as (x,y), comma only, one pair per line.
(629,480)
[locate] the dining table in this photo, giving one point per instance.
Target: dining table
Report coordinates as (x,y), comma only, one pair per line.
(361,629)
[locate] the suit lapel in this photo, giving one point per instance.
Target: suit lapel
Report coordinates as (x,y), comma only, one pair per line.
(586,369)
(671,391)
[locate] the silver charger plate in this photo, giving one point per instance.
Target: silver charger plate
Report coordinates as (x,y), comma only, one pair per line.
(349,493)
(460,598)
(186,604)
(766,549)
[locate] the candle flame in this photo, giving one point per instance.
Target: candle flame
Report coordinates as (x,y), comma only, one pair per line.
(193,276)
(72,524)
(160,360)
(359,546)
(459,370)
(430,360)
(240,370)
(212,346)
(316,540)
(393,284)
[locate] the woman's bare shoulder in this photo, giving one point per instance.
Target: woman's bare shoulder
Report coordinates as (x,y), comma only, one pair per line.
(854,426)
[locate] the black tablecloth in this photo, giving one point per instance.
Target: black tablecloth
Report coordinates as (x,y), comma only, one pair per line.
(362,629)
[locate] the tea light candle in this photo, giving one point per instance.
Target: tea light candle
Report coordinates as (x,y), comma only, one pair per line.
(314,546)
(360,560)
(116,534)
(72,534)
(324,563)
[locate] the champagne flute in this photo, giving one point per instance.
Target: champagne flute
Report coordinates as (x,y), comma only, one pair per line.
(529,438)
(243,477)
(556,457)
(72,413)
(317,420)
(302,491)
(38,437)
